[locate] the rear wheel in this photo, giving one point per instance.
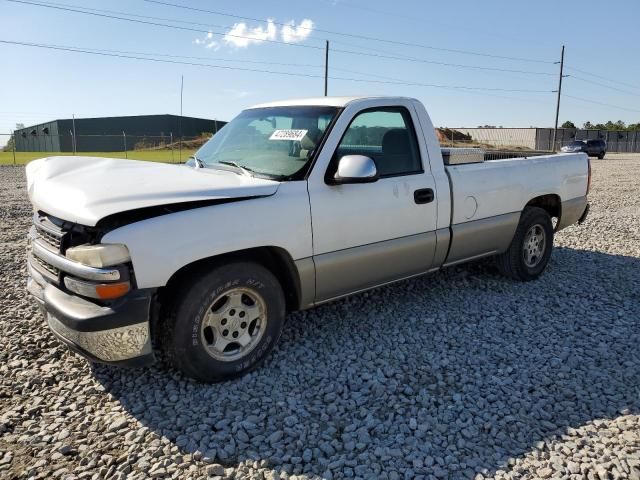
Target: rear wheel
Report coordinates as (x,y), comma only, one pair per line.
(530,249)
(601,155)
(223,323)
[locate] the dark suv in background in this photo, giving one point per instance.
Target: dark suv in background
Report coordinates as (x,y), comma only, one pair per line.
(593,148)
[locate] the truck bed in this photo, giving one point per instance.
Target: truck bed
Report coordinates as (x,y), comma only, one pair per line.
(489,188)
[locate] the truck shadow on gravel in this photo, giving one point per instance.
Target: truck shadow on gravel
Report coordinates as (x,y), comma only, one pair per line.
(445,375)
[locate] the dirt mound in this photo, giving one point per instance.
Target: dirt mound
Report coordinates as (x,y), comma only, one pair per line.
(451,135)
(188,143)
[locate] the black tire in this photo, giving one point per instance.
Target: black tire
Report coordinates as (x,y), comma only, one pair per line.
(512,262)
(183,336)
(601,155)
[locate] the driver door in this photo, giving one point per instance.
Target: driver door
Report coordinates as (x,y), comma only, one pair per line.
(369,234)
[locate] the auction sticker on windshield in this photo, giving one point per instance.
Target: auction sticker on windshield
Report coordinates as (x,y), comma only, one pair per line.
(288,134)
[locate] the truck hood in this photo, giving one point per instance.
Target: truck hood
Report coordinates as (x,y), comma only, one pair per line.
(86,189)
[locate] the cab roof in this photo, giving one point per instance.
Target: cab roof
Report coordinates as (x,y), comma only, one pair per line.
(318,101)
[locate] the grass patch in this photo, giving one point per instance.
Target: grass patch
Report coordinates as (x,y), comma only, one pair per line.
(164,155)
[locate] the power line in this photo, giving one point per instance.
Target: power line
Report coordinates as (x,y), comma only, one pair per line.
(394,82)
(483,94)
(386,54)
(68,5)
(134,57)
(291,74)
(604,78)
(109,14)
(353,35)
(177,27)
(413,18)
(433,62)
(604,85)
(165,19)
(600,103)
(169,55)
(156,54)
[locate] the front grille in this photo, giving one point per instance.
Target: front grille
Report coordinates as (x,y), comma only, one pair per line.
(48,232)
(42,265)
(51,236)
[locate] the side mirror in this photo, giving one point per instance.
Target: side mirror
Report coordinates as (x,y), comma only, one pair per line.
(355,169)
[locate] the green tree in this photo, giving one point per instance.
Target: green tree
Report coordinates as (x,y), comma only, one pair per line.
(9,146)
(610,125)
(568,124)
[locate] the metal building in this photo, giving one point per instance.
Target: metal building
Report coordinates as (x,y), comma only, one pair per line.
(109,134)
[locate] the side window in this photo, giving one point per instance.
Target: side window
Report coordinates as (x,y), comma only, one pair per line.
(387,136)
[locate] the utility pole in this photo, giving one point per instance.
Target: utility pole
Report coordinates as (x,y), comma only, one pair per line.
(13,146)
(180,120)
(73,123)
(555,129)
(171,143)
(326,67)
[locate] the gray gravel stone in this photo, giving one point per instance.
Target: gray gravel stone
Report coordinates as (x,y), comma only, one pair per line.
(215,470)
(460,374)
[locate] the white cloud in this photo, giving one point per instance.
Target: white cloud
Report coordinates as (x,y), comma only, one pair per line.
(293,34)
(242,36)
(207,42)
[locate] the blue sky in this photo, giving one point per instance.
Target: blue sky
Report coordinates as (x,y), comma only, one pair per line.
(39,84)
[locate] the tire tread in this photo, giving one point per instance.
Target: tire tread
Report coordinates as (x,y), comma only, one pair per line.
(188,292)
(510,263)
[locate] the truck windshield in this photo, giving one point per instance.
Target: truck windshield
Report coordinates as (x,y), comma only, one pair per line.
(276,142)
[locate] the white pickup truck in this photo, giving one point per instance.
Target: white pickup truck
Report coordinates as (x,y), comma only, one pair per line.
(292,204)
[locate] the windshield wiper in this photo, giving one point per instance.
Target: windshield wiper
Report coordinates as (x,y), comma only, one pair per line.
(246,170)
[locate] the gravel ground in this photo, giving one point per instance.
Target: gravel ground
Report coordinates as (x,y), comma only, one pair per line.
(461,374)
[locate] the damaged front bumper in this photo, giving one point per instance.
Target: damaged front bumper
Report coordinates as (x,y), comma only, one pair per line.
(117,333)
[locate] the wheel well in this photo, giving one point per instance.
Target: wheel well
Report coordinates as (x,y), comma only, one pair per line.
(275,259)
(550,203)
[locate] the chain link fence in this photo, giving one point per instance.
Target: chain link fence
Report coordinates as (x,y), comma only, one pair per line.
(471,145)
(619,141)
(460,145)
(541,139)
(163,147)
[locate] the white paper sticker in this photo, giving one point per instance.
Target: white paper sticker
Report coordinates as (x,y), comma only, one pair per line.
(288,134)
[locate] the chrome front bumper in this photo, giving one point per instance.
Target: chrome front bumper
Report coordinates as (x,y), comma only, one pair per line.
(115,345)
(116,334)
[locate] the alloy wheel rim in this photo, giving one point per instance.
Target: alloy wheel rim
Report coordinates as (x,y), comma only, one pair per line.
(534,245)
(234,324)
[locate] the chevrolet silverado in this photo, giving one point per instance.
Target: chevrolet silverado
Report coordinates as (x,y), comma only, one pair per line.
(292,204)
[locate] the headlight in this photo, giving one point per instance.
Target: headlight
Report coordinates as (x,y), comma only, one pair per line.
(101,255)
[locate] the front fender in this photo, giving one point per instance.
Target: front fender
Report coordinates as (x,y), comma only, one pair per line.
(160,246)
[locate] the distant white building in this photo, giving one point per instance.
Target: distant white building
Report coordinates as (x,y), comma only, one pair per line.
(503,137)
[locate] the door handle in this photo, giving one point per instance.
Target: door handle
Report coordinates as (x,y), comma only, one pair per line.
(423,195)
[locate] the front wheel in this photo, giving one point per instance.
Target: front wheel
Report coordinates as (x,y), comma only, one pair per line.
(601,155)
(223,323)
(530,249)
